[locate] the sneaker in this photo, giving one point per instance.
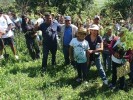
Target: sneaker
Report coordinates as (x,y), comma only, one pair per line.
(16,57)
(78,80)
(105,82)
(1,57)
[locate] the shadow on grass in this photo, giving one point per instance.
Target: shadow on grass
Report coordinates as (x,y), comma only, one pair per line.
(96,91)
(61,83)
(31,71)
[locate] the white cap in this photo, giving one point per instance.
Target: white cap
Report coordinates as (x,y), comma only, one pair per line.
(97,17)
(94,27)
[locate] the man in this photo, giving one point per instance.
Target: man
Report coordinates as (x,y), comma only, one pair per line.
(96,21)
(7,38)
(68,31)
(49,33)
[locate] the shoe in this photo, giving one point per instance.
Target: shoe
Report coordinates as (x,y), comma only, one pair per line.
(78,80)
(1,57)
(16,57)
(105,82)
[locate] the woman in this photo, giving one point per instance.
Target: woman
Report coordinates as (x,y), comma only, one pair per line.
(96,46)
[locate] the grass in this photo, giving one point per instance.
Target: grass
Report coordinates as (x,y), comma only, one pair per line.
(21,80)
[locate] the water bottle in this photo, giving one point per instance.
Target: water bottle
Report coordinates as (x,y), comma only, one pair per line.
(97,46)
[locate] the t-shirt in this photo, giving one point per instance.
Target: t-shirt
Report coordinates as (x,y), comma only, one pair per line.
(49,33)
(107,39)
(92,44)
(80,48)
(67,35)
(120,51)
(4,22)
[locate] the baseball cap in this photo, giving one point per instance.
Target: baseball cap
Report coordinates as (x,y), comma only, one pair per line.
(67,18)
(97,17)
(94,27)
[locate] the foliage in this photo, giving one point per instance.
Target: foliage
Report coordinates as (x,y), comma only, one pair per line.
(118,8)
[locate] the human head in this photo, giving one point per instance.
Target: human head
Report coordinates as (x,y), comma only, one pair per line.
(94,29)
(67,20)
(48,18)
(109,30)
(82,32)
(96,19)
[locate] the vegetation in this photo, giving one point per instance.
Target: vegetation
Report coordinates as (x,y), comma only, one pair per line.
(21,80)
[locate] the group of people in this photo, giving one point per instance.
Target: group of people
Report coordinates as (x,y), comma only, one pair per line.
(82,45)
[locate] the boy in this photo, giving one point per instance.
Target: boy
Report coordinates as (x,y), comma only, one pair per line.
(78,52)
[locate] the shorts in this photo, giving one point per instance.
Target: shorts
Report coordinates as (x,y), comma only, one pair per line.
(6,41)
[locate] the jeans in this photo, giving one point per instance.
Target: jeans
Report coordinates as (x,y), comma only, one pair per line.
(66,54)
(33,47)
(106,60)
(99,66)
(46,48)
(114,75)
(82,70)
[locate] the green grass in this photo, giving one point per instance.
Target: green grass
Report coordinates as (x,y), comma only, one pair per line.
(22,80)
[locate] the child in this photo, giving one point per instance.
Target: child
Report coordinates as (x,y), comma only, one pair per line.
(107,38)
(78,52)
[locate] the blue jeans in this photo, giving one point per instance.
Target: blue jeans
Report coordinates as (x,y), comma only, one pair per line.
(46,49)
(66,54)
(99,66)
(106,60)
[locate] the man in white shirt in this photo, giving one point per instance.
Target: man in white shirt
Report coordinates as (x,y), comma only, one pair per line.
(6,39)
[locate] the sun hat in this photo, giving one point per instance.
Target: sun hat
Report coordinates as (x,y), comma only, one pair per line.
(67,18)
(82,30)
(94,27)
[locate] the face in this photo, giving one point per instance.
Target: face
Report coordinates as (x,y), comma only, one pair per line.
(109,32)
(48,19)
(81,35)
(96,20)
(94,32)
(67,22)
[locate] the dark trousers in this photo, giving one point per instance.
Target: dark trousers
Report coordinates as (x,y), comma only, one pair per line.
(66,54)
(46,48)
(33,47)
(131,69)
(82,70)
(106,60)
(114,75)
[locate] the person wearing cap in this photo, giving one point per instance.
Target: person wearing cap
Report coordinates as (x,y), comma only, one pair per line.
(117,50)
(78,52)
(49,33)
(96,46)
(96,21)
(7,38)
(68,32)
(107,38)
